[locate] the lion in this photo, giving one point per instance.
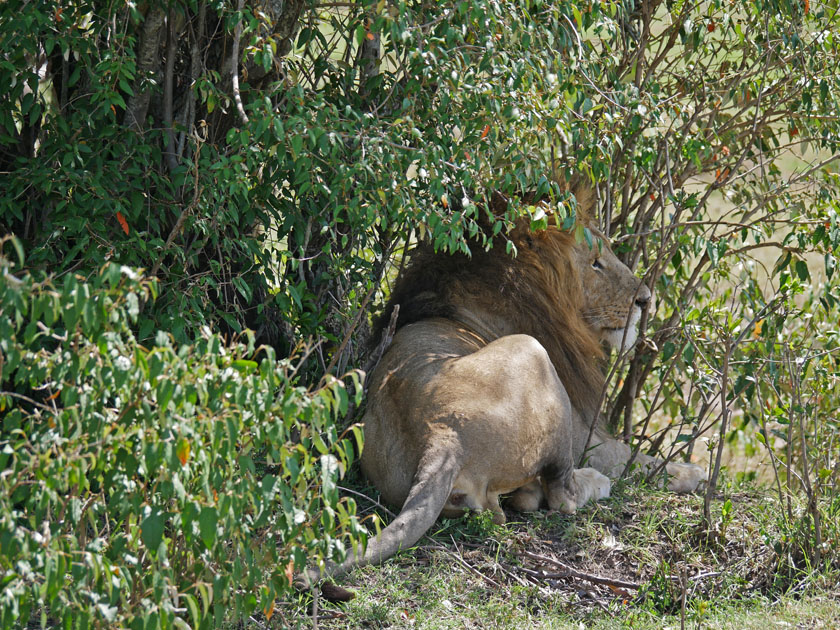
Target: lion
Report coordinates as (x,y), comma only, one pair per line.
(493,378)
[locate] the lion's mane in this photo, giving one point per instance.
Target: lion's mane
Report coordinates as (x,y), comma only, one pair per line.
(539,292)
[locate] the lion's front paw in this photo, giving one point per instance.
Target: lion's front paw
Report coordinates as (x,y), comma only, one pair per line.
(527,498)
(590,484)
(685,477)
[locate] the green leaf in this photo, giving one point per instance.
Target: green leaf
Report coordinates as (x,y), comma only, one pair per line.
(151,530)
(192,605)
(577,15)
(296,142)
(18,249)
(343,400)
(208,519)
(802,270)
(113,274)
(245,366)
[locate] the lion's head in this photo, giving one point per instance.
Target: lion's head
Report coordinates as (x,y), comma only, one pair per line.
(573,297)
(596,295)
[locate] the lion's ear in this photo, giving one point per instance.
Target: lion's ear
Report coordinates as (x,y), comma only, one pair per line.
(580,186)
(498,204)
(493,207)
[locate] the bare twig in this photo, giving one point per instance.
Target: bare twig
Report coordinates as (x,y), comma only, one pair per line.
(683,593)
(724,403)
(234,66)
(463,562)
(386,252)
(384,342)
(368,498)
(257,623)
(813,509)
(770,452)
(179,224)
(315,597)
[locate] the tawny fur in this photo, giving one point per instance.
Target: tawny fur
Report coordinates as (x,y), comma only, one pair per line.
(492,380)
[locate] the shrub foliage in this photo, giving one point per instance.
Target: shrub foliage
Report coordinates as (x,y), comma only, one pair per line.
(155,486)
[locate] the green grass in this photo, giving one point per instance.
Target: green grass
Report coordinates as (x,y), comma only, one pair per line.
(470,573)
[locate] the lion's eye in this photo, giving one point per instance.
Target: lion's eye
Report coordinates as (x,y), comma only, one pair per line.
(596,264)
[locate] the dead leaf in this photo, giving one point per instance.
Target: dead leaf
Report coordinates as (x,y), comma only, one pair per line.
(123,222)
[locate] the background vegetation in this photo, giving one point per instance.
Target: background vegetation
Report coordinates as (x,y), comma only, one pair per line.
(176,173)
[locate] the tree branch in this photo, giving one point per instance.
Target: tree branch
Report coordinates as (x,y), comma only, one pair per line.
(148,63)
(171,51)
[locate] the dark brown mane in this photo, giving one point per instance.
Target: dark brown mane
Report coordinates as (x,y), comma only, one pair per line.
(538,292)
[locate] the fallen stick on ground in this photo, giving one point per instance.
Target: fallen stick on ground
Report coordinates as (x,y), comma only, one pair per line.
(570,572)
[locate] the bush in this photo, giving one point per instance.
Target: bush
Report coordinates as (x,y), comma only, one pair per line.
(154,487)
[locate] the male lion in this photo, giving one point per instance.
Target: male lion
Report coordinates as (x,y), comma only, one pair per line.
(492,379)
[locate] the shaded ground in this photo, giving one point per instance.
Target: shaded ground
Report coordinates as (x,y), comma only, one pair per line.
(636,560)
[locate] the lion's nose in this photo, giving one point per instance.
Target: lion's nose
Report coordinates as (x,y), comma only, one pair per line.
(642,301)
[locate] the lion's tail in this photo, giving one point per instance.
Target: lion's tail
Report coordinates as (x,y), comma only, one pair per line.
(433,482)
